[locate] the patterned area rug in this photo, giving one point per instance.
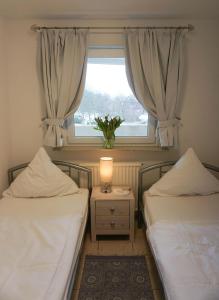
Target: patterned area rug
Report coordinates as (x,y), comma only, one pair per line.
(115,278)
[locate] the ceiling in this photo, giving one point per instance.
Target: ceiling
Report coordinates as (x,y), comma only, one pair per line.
(110,8)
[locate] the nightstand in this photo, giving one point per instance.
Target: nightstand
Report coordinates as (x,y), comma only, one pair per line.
(112,213)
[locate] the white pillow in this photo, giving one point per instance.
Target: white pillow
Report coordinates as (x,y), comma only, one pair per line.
(187,177)
(41,179)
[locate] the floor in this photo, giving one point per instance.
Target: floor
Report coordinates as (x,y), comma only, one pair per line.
(121,247)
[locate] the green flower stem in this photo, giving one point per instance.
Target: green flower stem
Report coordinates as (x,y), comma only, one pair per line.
(108,127)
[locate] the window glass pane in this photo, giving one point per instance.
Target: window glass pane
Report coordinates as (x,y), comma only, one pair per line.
(107,92)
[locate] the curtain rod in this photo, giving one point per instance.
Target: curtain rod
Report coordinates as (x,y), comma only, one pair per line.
(38,28)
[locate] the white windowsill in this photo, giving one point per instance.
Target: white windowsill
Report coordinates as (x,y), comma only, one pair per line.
(124,147)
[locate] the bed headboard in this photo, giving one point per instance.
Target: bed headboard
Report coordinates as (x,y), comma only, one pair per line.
(81,175)
(161,169)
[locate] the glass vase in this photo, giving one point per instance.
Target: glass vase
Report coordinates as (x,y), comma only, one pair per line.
(108,143)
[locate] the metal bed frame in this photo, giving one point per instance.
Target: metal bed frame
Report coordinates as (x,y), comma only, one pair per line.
(74,171)
(162,167)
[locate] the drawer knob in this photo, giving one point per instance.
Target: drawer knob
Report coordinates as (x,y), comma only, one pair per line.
(112,223)
(112,209)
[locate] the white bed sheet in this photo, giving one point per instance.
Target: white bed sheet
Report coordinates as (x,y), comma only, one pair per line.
(184,236)
(182,208)
(188,258)
(45,207)
(75,259)
(59,210)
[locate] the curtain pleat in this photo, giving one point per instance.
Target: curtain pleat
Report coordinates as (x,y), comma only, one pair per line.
(63,62)
(154,66)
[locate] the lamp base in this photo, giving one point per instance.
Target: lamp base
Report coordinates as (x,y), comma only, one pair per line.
(106,188)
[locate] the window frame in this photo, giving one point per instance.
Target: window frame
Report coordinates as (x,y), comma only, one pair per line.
(108,51)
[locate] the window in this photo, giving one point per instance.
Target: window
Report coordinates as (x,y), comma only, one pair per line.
(107,92)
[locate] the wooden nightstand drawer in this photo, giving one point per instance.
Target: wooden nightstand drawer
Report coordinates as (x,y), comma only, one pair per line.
(112,208)
(112,223)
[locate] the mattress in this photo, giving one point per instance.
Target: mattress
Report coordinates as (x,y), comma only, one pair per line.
(182,208)
(58,223)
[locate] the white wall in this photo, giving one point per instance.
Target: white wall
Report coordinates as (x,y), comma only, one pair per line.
(24,94)
(200,109)
(4,110)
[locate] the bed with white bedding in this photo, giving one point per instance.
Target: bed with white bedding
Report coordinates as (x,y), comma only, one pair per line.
(40,241)
(183,232)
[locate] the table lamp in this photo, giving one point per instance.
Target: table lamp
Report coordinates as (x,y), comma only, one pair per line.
(106,174)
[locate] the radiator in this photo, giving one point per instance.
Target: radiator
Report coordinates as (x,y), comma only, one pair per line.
(124,173)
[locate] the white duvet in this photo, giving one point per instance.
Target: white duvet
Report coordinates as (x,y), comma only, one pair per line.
(187,255)
(36,251)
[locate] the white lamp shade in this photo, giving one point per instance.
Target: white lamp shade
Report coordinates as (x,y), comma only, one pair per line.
(106,169)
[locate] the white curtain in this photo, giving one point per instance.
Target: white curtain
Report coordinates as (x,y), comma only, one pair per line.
(154,64)
(63,63)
